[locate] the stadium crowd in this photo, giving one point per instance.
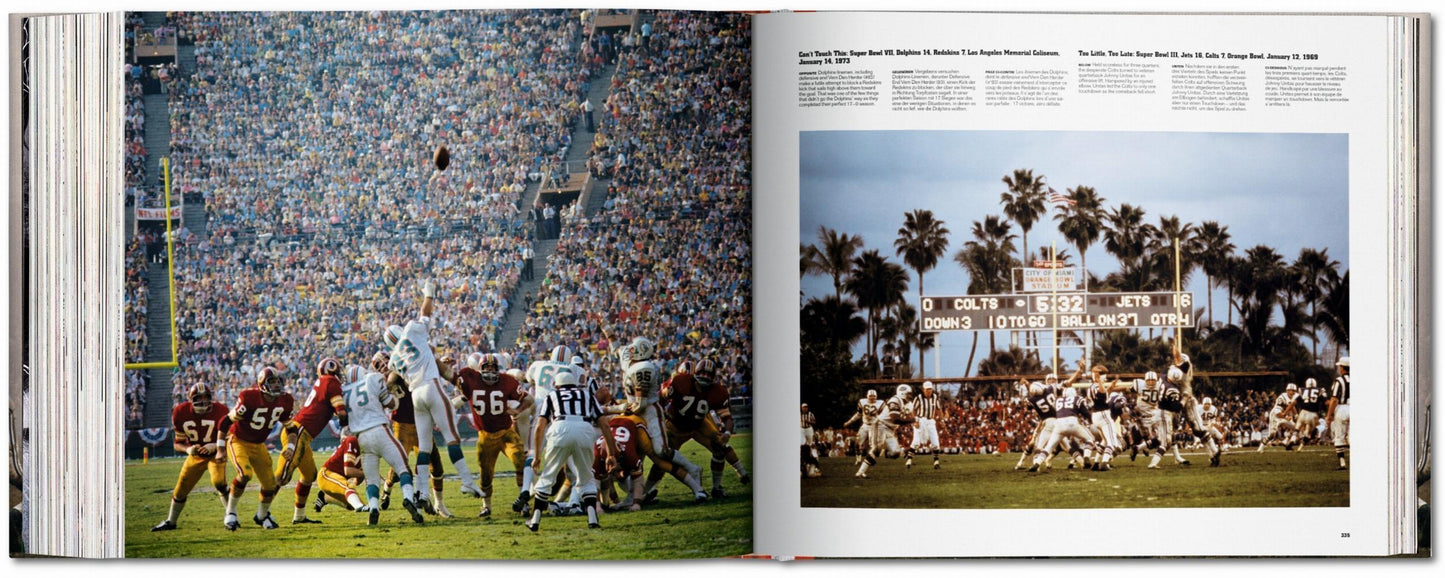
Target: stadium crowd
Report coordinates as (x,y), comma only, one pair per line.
(314,166)
(668,257)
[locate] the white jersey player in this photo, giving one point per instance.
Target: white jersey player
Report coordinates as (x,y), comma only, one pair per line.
(368,406)
(412,358)
(1281,420)
(869,408)
(882,436)
(641,382)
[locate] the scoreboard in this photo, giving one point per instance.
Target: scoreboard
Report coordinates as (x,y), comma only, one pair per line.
(1068,311)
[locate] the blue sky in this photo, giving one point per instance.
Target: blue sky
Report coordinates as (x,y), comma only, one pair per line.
(1288,191)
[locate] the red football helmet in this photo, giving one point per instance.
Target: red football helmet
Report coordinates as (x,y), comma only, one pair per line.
(490,368)
(200,397)
(706,372)
(328,366)
(379,361)
(269,381)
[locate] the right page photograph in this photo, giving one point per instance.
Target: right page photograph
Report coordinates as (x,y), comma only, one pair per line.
(1084,271)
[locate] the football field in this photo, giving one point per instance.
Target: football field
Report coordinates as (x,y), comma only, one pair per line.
(673,528)
(1247,479)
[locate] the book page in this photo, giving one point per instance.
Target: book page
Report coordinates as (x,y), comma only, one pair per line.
(1137,233)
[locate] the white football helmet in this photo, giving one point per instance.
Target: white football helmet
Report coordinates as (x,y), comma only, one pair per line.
(1207,401)
(1291,387)
(1036,389)
(561,354)
(904,390)
(1151,377)
(872,395)
(391,335)
(474,360)
(353,373)
(1051,378)
(517,374)
(642,349)
(1176,375)
(1310,382)
(577,360)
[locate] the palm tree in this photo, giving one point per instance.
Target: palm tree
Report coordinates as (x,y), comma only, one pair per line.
(1259,278)
(834,318)
(989,261)
(1081,222)
(1213,256)
(1315,271)
(921,241)
(1334,315)
(876,284)
(1023,202)
(1161,246)
(833,256)
(1126,238)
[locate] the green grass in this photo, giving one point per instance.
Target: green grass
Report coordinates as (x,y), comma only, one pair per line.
(673,528)
(1247,479)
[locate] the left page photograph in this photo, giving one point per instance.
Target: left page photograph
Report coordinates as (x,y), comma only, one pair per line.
(461,284)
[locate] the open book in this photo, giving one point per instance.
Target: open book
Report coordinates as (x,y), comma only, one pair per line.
(416,284)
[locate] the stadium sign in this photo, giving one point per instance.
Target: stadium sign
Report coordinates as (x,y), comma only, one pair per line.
(1069,311)
(1037,280)
(155,214)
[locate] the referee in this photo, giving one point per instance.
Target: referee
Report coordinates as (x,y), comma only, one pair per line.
(925,429)
(1337,413)
(566,429)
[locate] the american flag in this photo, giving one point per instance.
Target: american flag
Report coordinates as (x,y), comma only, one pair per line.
(1058,198)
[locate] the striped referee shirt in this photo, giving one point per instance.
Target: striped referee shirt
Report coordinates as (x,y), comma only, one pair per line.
(925,407)
(570,403)
(1340,391)
(808,419)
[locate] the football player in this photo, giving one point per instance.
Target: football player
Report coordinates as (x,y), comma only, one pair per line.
(629,434)
(1041,399)
(324,401)
(1070,408)
(642,381)
(1310,404)
(198,424)
(339,475)
(490,394)
(258,410)
(403,426)
(883,437)
(369,401)
(1337,411)
(1281,418)
(413,361)
(542,376)
(1101,418)
(691,399)
(1191,412)
(1213,420)
(869,408)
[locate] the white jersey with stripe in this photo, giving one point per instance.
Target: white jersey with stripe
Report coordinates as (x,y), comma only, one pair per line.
(366,402)
(1147,398)
(412,355)
(1281,402)
(896,409)
(870,410)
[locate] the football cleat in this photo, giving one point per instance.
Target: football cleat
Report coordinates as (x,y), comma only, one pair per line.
(744,479)
(441,510)
(1214,461)
(650,497)
(1185,463)
(319,502)
(471,491)
(385,501)
(268,522)
(520,503)
(908,465)
(861,475)
(232,523)
(719,493)
(411,509)
(533,527)
(593,526)
(1034,468)
(425,505)
(485,513)
(164,526)
(305,521)
(699,496)
(373,516)
(937,465)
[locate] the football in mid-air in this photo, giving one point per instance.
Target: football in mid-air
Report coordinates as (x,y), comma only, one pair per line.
(442,158)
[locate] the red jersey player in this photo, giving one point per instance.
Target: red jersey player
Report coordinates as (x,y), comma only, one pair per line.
(629,433)
(258,410)
(691,399)
(340,472)
(488,392)
(198,424)
(325,400)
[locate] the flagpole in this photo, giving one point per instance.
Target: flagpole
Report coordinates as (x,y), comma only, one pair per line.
(1178,315)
